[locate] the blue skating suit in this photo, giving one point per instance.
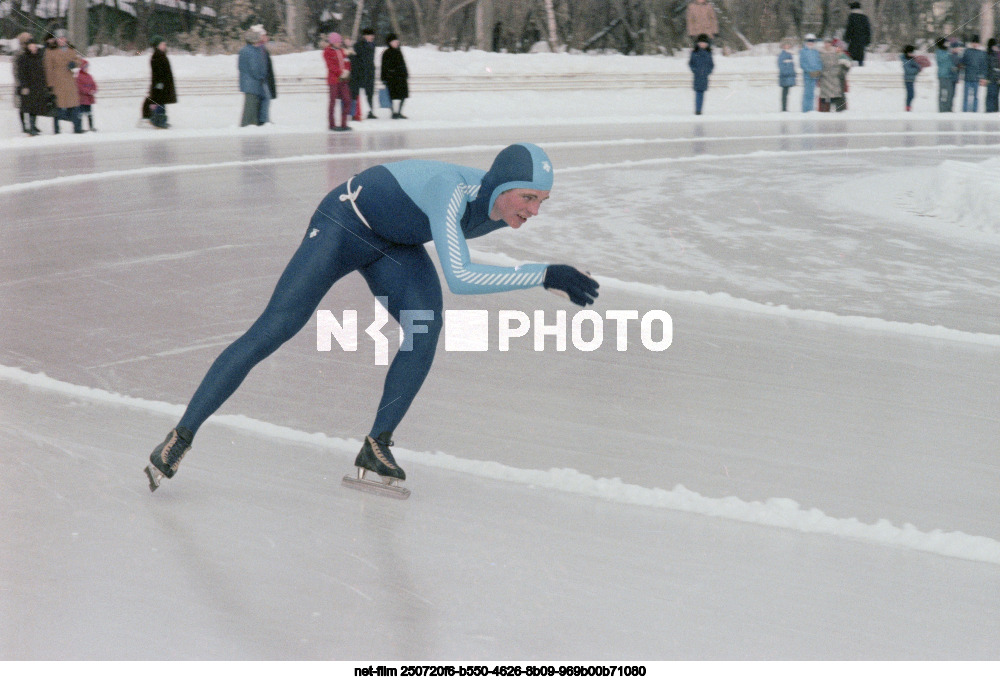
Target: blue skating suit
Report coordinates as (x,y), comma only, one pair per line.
(377,223)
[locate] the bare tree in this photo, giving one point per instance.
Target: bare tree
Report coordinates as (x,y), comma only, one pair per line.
(550,16)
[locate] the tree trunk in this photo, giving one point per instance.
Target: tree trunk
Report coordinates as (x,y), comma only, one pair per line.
(986,22)
(356,28)
(418,15)
(76,21)
(295,22)
(484,25)
(550,17)
(394,22)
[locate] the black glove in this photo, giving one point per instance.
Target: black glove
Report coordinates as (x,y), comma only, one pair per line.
(571,282)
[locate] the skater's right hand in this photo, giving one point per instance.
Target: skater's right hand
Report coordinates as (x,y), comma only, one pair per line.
(563,279)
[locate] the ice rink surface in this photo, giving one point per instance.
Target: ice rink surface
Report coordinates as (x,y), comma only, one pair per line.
(809,471)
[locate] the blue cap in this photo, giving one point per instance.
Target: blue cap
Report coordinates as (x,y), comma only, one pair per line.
(519,166)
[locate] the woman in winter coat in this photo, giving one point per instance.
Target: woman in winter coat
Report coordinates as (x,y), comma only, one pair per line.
(831,82)
(701,66)
(786,73)
(394,74)
(31,79)
(161,89)
(59,64)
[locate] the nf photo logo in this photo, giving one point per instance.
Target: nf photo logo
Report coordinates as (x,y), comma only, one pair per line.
(479,330)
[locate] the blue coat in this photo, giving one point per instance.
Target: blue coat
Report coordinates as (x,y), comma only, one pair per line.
(910,69)
(809,61)
(701,65)
(974,63)
(786,69)
(947,65)
(252,63)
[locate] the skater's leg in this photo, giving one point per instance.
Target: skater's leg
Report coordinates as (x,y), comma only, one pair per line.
(406,276)
(328,252)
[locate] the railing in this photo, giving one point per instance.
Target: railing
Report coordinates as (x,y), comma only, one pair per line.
(227,85)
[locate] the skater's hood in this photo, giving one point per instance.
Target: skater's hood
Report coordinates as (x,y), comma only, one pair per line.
(519,166)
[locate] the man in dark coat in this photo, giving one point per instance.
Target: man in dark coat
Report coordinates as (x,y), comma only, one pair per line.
(857,34)
(363,69)
(161,89)
(33,90)
(394,74)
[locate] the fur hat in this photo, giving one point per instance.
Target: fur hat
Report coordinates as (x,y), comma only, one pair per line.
(390,37)
(60,33)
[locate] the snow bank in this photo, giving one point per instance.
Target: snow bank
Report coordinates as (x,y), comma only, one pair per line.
(774,512)
(965,194)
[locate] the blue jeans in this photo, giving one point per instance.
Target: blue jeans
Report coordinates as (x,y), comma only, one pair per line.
(909,94)
(970,103)
(72,115)
(808,93)
(264,110)
(336,244)
(699,100)
(993,98)
(946,95)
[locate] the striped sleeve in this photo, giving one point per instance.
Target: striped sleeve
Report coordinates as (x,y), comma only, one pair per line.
(463,276)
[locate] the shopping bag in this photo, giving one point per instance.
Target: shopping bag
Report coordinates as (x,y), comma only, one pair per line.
(384,100)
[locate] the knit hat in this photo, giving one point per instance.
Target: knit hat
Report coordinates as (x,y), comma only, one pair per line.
(61,33)
(155,40)
(334,38)
(518,166)
(810,37)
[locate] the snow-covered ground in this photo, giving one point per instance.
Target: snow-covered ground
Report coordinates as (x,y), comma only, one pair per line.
(810,470)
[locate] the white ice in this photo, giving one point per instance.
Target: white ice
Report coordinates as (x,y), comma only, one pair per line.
(809,471)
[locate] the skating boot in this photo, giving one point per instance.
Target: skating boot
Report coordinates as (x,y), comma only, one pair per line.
(376,457)
(166,457)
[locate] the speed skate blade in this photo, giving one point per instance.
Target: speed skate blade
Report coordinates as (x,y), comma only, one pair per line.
(155,477)
(378,488)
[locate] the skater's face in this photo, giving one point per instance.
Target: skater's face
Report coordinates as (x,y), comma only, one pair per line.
(517,205)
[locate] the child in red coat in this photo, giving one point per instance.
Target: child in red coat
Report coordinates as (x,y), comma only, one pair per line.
(88,88)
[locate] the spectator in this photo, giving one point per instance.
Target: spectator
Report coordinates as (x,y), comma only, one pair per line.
(857,33)
(812,68)
(59,65)
(701,20)
(22,47)
(34,91)
(832,78)
(161,88)
(974,67)
(363,71)
(911,68)
(394,74)
(947,72)
(701,66)
(252,63)
(786,72)
(992,76)
(338,73)
(87,88)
